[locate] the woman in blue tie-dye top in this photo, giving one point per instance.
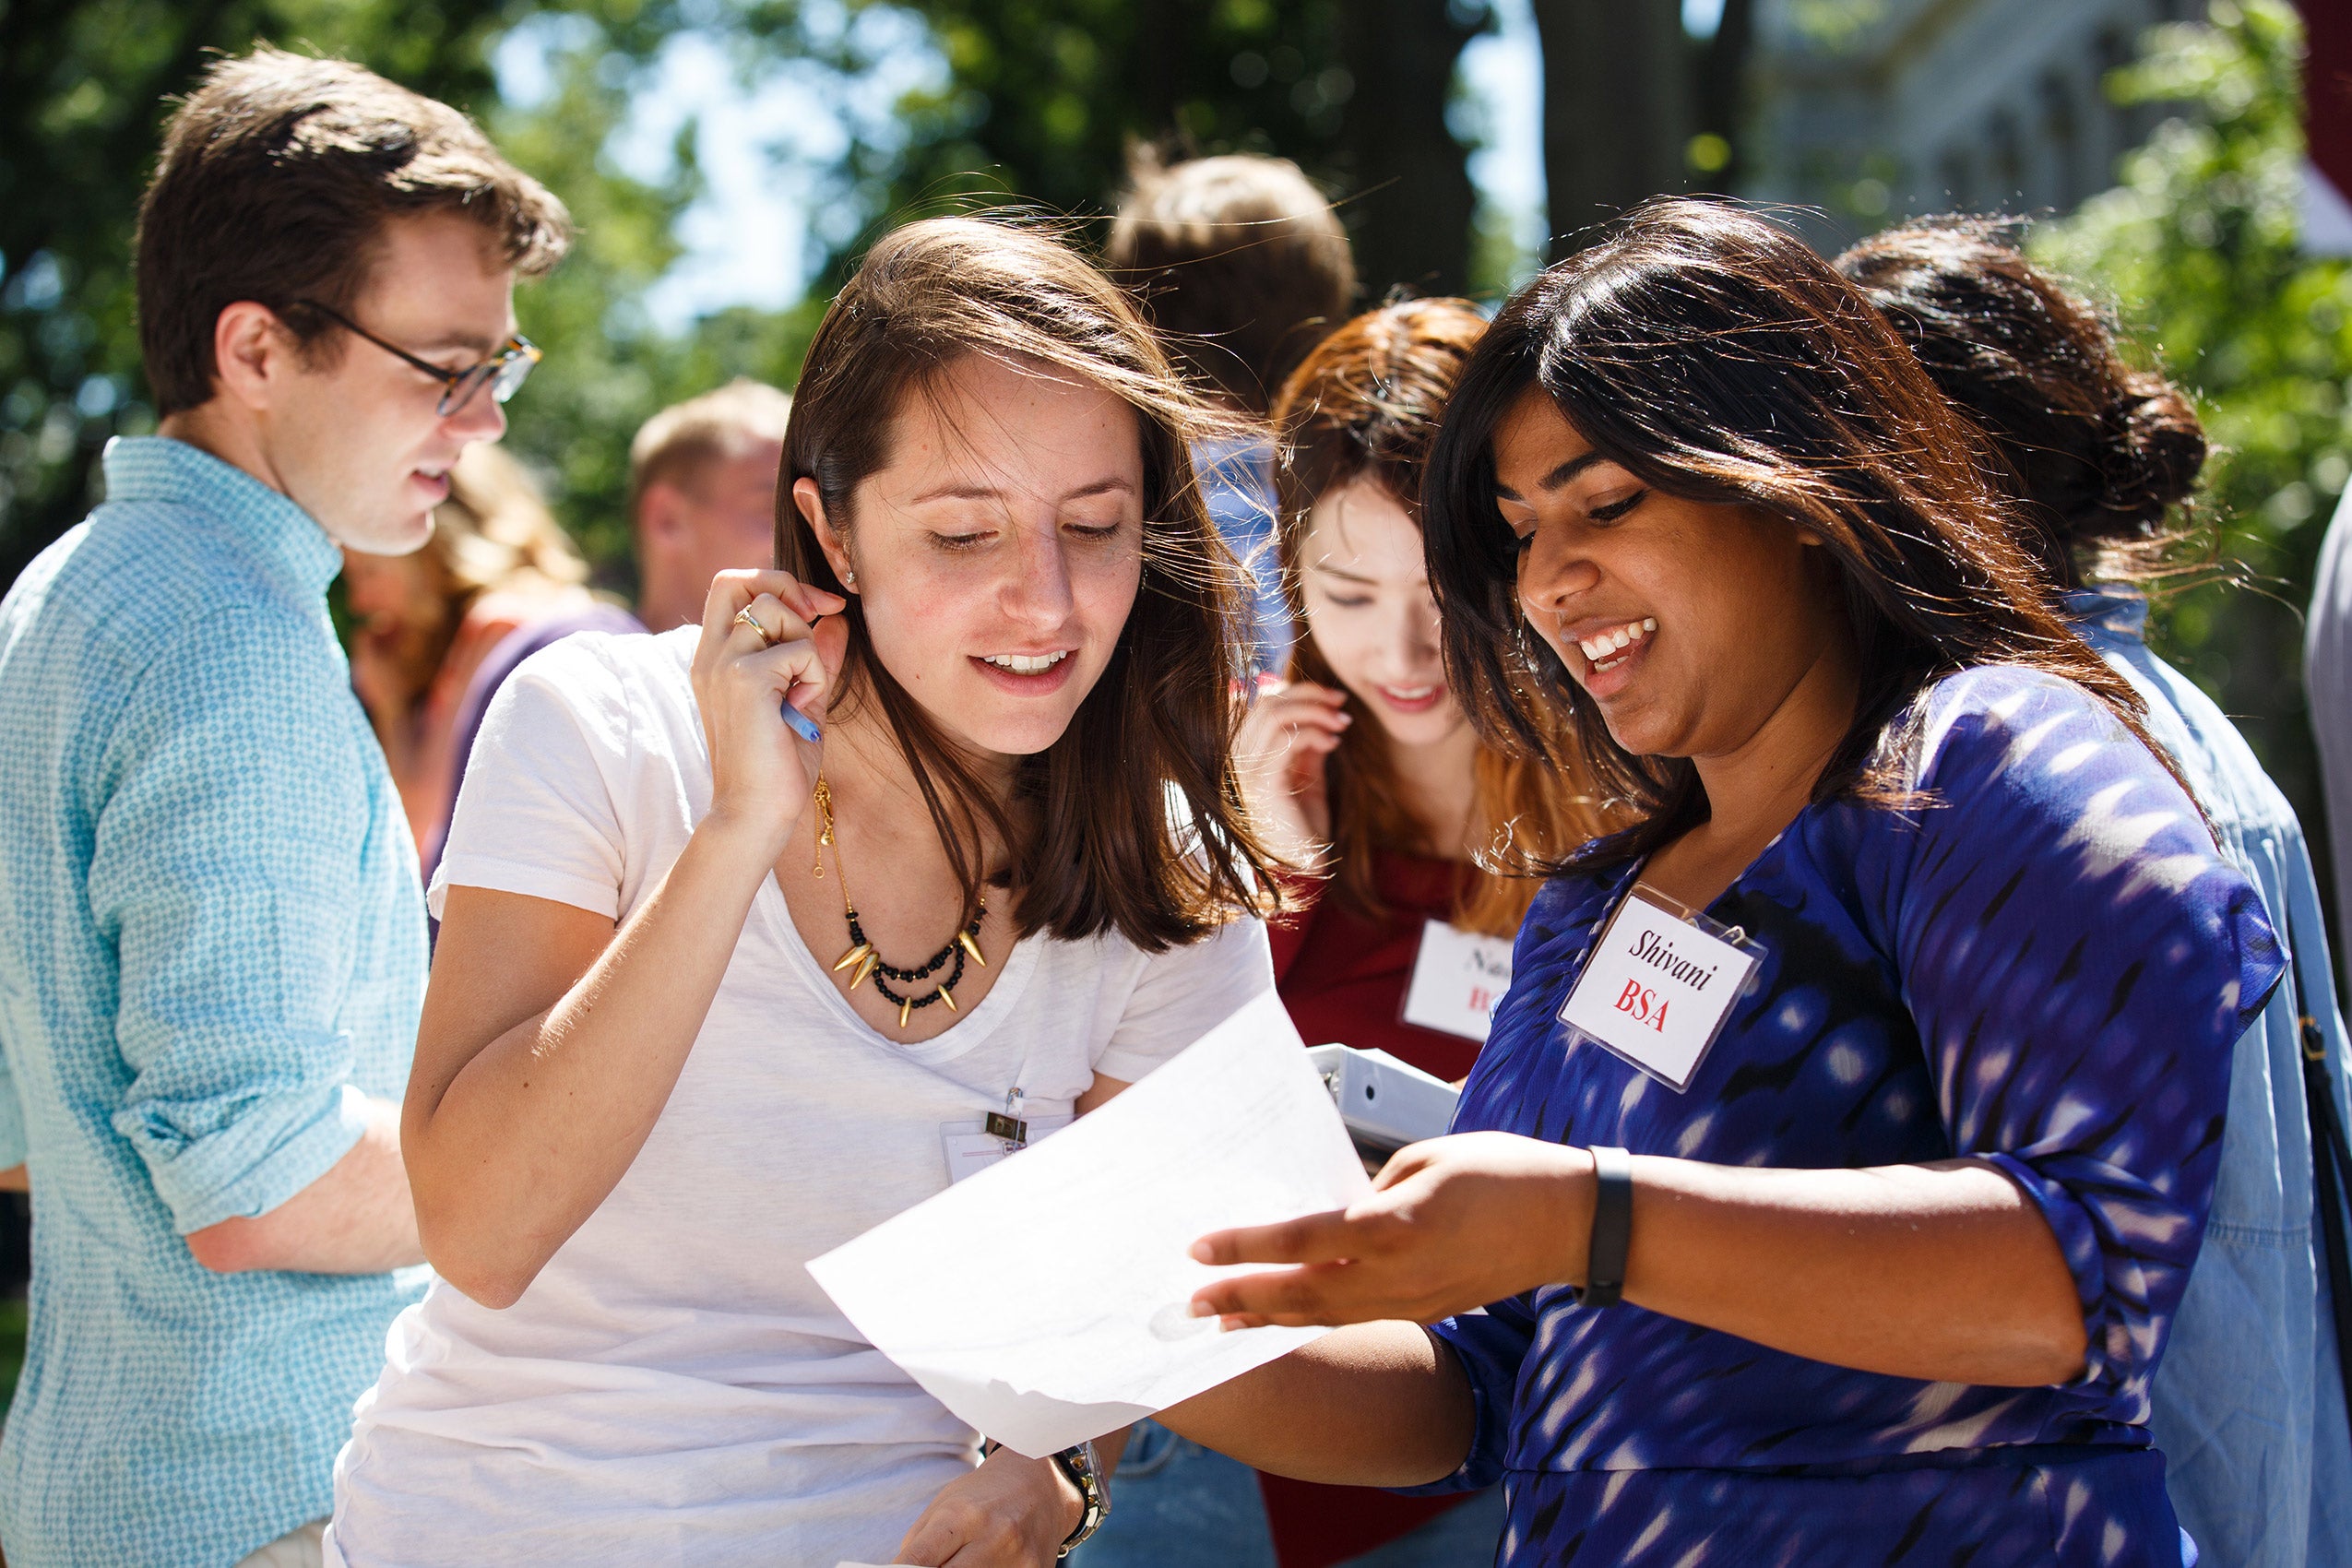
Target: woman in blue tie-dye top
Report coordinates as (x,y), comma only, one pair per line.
(1906,1246)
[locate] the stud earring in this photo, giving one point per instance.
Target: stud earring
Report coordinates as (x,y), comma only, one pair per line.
(848,579)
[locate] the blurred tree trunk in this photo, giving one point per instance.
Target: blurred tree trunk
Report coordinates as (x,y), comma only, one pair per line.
(1413,200)
(1617,108)
(1722,106)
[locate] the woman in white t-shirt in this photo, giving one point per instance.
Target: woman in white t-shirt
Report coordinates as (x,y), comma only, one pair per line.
(711,999)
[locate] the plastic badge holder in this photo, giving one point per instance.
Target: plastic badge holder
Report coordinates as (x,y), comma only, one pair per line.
(1737,937)
(1385,1103)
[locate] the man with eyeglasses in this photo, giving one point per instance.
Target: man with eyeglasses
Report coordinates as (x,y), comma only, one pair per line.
(212,934)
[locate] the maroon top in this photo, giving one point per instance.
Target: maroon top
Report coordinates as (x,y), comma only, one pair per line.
(1344,978)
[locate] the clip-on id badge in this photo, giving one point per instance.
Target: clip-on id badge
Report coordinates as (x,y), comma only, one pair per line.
(1659,984)
(970,1147)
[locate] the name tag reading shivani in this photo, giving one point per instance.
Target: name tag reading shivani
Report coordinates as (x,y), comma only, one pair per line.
(1458,980)
(1659,984)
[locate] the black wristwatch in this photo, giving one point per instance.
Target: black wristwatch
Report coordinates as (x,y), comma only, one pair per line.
(1084,1470)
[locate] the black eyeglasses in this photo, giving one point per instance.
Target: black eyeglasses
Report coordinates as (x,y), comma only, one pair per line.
(503,372)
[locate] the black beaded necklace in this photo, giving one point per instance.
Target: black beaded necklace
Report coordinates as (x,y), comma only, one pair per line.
(964,946)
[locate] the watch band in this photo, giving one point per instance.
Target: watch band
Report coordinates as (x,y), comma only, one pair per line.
(1084,1471)
(1080,1465)
(1612,1234)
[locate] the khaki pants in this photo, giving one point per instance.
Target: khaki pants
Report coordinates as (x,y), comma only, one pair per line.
(295,1549)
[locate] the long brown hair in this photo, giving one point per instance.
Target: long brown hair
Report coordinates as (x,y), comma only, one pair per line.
(1133,820)
(1364,406)
(2102,451)
(1716,358)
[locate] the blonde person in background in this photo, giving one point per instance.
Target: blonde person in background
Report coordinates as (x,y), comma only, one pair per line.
(702,495)
(497,566)
(423,622)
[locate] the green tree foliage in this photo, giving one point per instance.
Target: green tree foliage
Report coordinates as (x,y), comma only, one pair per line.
(81,101)
(1044,98)
(2198,246)
(83,90)
(609,367)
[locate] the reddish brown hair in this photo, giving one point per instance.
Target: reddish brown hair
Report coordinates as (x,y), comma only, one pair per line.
(277,176)
(1133,820)
(1364,406)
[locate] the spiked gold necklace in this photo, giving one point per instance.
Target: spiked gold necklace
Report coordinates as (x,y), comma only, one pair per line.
(866,962)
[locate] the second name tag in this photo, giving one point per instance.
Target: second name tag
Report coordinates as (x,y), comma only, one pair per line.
(1459,979)
(1657,987)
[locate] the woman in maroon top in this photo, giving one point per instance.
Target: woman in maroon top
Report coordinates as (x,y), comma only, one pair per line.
(1364,767)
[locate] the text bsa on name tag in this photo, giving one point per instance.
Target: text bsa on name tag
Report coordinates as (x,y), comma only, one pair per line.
(1657,988)
(1458,980)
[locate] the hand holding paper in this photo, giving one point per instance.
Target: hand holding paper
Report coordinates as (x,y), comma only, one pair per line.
(1046,1301)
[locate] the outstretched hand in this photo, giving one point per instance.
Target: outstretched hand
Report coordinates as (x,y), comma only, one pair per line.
(1452,1224)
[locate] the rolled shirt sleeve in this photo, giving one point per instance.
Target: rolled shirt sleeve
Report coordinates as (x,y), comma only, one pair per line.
(2079,961)
(1491,1347)
(226,887)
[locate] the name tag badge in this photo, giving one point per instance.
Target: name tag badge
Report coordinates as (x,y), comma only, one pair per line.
(973,1145)
(1458,980)
(1659,985)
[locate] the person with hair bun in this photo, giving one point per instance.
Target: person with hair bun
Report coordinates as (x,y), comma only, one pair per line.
(758,933)
(2249,1405)
(1826,1187)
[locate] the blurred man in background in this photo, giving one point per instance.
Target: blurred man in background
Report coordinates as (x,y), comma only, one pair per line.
(702,495)
(1242,266)
(212,936)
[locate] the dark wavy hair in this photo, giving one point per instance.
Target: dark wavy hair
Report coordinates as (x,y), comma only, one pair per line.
(1133,820)
(1716,358)
(2103,452)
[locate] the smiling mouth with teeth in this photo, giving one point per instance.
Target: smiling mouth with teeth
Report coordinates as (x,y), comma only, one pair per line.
(1607,650)
(1025,663)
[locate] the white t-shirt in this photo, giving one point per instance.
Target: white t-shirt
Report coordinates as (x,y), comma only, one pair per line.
(674,1388)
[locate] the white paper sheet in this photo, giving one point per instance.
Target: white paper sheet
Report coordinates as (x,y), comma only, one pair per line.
(1045,1300)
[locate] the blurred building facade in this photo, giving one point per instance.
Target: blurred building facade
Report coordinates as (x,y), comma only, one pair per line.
(1874,110)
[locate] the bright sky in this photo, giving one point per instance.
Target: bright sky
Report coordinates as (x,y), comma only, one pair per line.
(765,147)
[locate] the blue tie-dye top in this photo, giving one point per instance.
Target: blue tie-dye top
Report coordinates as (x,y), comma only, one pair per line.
(2044,962)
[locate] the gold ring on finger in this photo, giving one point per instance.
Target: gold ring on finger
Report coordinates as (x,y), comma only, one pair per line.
(744,617)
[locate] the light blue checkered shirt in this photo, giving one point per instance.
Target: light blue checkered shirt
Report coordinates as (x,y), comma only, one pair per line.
(2249,1406)
(212,944)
